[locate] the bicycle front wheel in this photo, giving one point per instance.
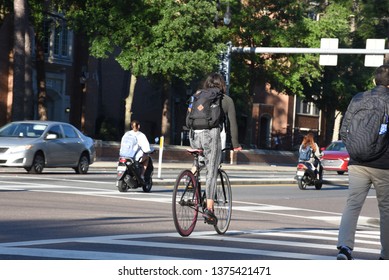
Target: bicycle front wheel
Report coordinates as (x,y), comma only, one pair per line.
(185,204)
(223,202)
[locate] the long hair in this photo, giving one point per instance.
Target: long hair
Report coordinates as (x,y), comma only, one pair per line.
(309,140)
(215,80)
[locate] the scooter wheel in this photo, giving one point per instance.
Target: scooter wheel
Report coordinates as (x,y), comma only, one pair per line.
(148,184)
(301,184)
(122,186)
(318,184)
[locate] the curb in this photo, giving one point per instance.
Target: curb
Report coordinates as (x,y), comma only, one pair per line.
(111,165)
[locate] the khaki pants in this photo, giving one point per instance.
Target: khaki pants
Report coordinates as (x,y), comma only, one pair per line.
(360,180)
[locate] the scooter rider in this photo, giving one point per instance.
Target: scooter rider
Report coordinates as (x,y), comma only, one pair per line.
(308,140)
(134,144)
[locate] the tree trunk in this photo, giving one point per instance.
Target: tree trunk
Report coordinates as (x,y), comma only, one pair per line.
(6,68)
(165,120)
(19,60)
(249,122)
(41,77)
(129,100)
(337,124)
(29,95)
(77,98)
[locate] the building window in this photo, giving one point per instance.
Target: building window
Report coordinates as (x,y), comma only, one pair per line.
(306,108)
(61,47)
(57,41)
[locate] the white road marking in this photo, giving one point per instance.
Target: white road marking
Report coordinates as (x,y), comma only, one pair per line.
(130,240)
(21,248)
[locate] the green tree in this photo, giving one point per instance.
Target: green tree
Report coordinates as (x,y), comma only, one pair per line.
(303,24)
(167,40)
(269,24)
(28,24)
(170,41)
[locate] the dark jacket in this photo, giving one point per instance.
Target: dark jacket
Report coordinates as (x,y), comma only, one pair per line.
(229,111)
(383,161)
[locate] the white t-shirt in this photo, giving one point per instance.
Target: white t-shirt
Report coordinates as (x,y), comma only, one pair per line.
(134,145)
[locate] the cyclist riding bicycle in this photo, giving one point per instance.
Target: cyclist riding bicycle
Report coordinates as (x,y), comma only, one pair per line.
(209,140)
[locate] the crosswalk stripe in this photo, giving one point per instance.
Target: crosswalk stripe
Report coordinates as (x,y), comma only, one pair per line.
(131,240)
(77,254)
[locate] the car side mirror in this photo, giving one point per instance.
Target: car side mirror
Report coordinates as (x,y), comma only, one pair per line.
(51,136)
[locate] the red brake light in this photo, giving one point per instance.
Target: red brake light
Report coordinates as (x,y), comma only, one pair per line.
(301,166)
(122,160)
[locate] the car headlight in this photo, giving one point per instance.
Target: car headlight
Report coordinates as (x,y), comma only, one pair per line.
(19,149)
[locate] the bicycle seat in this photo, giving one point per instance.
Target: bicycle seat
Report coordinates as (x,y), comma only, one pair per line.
(195,151)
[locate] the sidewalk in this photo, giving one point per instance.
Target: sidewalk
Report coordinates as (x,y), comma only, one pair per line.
(168,180)
(176,158)
(109,151)
(187,165)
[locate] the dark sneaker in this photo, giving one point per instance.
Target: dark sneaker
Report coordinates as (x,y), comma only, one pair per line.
(209,217)
(344,253)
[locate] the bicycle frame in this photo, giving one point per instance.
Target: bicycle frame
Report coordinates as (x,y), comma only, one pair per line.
(202,196)
(189,199)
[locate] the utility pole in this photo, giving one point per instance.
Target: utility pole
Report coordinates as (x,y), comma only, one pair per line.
(224,67)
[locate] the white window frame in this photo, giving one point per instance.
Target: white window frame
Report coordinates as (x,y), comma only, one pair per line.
(307,108)
(58,42)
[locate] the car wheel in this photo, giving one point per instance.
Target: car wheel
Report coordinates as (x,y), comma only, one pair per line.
(83,165)
(340,172)
(38,164)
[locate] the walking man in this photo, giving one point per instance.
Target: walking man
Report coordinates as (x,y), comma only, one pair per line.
(364,174)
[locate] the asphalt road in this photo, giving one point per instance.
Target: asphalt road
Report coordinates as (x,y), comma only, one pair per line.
(62,215)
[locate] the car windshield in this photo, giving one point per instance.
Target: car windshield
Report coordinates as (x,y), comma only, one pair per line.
(29,130)
(337,146)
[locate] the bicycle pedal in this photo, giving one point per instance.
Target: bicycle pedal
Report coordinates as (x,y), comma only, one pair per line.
(210,222)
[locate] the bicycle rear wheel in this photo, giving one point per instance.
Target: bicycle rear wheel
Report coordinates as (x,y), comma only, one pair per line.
(223,202)
(185,204)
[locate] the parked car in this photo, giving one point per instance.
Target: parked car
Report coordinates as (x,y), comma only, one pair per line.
(335,157)
(34,145)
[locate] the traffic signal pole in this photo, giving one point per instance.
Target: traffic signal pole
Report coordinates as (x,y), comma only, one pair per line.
(372,54)
(308,50)
(374,51)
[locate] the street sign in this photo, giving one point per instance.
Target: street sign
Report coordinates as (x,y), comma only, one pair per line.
(376,59)
(329,59)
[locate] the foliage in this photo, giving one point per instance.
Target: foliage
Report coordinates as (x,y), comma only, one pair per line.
(174,39)
(179,40)
(297,24)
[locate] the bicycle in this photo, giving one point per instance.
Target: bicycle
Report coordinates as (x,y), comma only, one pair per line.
(189,199)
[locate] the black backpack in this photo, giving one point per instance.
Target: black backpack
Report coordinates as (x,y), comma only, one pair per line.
(205,109)
(364,126)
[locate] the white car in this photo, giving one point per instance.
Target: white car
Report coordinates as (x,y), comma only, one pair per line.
(34,145)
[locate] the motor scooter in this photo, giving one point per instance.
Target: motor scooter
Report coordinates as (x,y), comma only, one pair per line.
(128,175)
(308,175)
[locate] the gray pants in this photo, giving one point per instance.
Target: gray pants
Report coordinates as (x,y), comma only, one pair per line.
(360,180)
(209,141)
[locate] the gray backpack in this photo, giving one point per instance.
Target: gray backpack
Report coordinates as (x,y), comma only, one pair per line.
(305,153)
